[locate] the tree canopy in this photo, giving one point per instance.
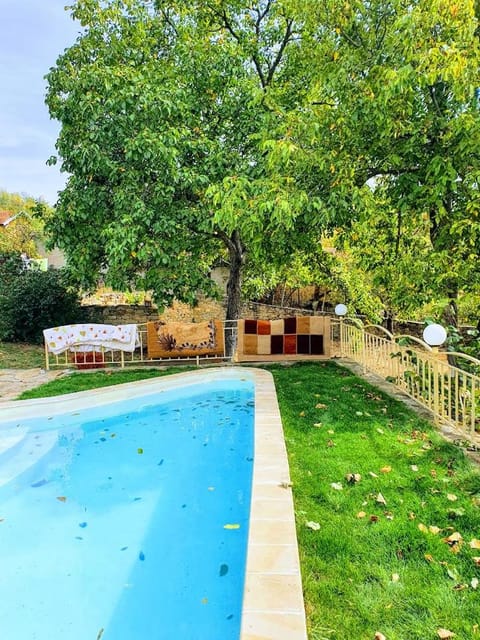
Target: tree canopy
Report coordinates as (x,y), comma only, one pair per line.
(200,130)
(396,104)
(160,104)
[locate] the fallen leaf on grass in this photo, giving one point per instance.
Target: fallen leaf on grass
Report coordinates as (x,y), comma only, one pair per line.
(476,560)
(313,525)
(379,636)
(330,443)
(413,467)
(374,475)
(373,518)
(429,558)
(337,486)
(453,574)
(452,497)
(352,478)
(444,634)
(320,405)
(454,541)
(361,514)
(474,544)
(318,424)
(381,431)
(331,432)
(454,538)
(380,499)
(423,528)
(434,529)
(386,469)
(395,577)
(474,583)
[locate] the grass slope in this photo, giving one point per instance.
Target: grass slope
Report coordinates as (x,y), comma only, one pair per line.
(16,355)
(93,380)
(379,561)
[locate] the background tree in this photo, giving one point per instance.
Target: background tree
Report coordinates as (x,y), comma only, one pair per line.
(391,123)
(25,230)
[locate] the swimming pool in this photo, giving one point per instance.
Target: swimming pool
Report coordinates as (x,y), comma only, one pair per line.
(116,550)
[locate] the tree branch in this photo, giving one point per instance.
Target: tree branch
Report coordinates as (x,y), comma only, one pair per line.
(234,34)
(279,56)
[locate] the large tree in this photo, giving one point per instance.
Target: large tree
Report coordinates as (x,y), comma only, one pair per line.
(160,105)
(226,128)
(392,124)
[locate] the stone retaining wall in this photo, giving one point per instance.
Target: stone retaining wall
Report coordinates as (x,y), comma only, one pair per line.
(139,314)
(208,309)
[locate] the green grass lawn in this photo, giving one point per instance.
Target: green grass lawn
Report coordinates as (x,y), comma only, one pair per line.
(379,560)
(16,355)
(388,513)
(96,379)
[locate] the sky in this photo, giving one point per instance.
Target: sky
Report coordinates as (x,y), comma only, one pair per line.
(32,35)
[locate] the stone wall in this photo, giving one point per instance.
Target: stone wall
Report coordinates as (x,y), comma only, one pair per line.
(208,309)
(119,314)
(259,311)
(139,314)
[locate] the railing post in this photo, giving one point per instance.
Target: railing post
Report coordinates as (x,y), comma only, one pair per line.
(341,337)
(364,350)
(47,359)
(436,390)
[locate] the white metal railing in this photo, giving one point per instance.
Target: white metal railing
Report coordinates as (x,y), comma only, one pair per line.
(99,357)
(450,391)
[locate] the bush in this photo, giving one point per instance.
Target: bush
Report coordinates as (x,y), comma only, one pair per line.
(33,301)
(11,266)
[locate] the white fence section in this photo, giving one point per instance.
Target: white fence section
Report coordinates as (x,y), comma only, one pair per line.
(446,383)
(100,357)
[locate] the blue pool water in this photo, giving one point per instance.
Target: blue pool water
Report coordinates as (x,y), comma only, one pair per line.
(128,522)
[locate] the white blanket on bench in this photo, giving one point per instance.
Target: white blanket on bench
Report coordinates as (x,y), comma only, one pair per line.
(92,337)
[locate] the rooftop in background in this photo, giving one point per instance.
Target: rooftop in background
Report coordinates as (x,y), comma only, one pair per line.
(5,217)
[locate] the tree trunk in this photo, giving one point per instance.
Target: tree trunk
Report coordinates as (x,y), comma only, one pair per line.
(236,252)
(450,318)
(388,320)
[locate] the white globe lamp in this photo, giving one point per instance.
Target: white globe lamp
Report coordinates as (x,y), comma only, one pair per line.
(341,310)
(434,335)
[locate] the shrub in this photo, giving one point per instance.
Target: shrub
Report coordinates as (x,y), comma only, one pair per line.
(11,266)
(33,301)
